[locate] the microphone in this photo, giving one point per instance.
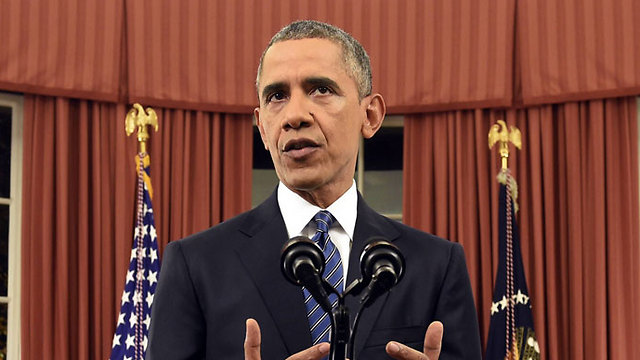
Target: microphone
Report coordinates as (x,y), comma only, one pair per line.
(382,266)
(303,264)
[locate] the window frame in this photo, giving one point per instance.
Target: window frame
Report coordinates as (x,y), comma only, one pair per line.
(13,300)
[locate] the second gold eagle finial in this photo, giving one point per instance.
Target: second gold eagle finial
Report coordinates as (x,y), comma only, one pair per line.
(138,118)
(500,134)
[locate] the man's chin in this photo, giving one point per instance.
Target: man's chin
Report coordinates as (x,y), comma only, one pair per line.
(302,184)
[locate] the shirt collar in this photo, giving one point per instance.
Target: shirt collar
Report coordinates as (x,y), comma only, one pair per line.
(297,212)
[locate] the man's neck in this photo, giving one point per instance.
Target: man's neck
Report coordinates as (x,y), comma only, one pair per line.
(323,197)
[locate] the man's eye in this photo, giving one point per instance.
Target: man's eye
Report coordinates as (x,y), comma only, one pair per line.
(323,90)
(277,96)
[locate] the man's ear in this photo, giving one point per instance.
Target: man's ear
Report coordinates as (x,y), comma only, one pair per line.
(376,109)
(256,116)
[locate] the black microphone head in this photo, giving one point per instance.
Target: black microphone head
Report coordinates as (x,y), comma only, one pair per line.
(382,259)
(300,252)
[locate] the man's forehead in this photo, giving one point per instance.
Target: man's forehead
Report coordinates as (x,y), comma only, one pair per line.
(310,57)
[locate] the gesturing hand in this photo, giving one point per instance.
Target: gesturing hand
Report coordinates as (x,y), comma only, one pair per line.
(252,343)
(431,349)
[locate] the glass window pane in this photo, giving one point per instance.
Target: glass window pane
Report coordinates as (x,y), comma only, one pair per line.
(4,248)
(264,174)
(383,191)
(261,157)
(383,170)
(264,182)
(384,150)
(5,151)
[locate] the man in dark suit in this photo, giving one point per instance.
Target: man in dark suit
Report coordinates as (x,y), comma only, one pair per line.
(314,87)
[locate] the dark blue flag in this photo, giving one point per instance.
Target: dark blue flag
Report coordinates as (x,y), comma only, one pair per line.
(511,334)
(132,329)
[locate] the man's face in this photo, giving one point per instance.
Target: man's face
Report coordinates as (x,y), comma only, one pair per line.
(310,117)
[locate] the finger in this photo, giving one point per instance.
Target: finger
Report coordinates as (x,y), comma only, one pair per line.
(402,352)
(252,340)
(433,340)
(316,352)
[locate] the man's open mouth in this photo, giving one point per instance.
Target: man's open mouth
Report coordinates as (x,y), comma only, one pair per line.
(299,144)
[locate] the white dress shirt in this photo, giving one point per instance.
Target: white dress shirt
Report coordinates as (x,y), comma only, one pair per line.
(298,218)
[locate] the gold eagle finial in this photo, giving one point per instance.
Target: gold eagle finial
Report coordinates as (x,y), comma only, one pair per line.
(499,133)
(138,118)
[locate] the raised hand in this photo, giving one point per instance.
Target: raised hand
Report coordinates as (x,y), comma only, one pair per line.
(253,340)
(431,348)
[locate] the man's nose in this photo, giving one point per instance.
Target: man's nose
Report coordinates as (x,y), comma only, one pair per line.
(298,112)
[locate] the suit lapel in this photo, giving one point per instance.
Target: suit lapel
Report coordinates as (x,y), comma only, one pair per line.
(261,257)
(368,224)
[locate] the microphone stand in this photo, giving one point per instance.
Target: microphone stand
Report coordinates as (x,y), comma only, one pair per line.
(342,335)
(340,331)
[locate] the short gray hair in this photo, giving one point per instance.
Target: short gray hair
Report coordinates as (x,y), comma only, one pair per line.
(355,57)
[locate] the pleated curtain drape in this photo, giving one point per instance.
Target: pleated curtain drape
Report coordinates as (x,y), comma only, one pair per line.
(79,186)
(578,194)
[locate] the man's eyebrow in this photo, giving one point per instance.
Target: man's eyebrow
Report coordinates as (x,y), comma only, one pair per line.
(322,81)
(268,89)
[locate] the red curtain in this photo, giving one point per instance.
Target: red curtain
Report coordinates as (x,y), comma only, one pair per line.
(202,54)
(577,50)
(79,184)
(425,55)
(63,48)
(578,186)
(203,168)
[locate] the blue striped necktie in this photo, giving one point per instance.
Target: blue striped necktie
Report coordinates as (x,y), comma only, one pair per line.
(319,321)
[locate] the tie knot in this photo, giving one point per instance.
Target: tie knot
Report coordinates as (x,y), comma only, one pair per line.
(323,220)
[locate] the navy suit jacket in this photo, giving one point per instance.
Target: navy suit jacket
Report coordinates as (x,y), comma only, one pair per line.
(211,282)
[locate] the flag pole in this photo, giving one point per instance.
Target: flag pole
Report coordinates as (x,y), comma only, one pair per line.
(502,136)
(511,334)
(131,335)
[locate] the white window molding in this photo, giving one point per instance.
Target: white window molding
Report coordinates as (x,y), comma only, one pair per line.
(15,102)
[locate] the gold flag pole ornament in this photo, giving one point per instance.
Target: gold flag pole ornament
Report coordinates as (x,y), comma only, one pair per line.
(500,134)
(138,118)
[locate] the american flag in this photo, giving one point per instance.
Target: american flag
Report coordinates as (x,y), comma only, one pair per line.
(132,330)
(511,334)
